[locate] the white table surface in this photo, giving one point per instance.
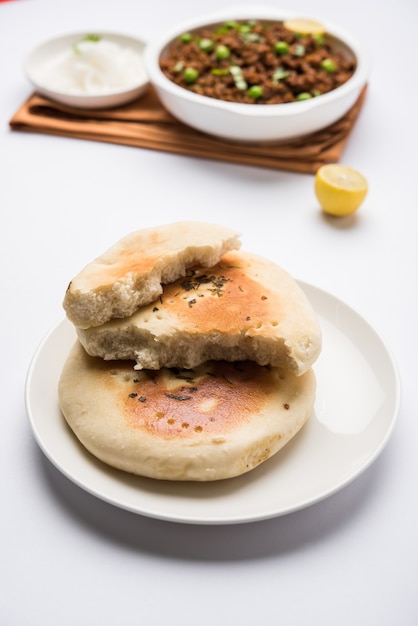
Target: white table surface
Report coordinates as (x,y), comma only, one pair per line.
(69,558)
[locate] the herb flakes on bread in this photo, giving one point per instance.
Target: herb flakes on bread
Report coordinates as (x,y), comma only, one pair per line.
(243,308)
(131,273)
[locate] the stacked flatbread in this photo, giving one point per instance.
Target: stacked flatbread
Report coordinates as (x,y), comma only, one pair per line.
(193,359)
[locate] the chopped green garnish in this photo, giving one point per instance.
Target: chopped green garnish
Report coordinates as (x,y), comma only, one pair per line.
(240,82)
(89,37)
(92,38)
(206,45)
(319,38)
(299,50)
(279,74)
(251,37)
(222,30)
(218,71)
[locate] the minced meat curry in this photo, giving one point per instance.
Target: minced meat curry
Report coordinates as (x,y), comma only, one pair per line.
(256,62)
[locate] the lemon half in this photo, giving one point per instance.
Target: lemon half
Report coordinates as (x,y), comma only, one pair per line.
(304,26)
(340,189)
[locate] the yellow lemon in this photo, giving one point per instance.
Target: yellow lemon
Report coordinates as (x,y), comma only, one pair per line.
(304,26)
(340,189)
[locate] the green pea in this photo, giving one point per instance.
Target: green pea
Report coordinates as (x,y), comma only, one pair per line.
(328,65)
(255,92)
(319,39)
(303,96)
(206,45)
(190,75)
(222,52)
(186,38)
(244,28)
(281,47)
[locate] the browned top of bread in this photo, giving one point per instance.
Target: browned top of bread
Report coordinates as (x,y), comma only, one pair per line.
(244,307)
(215,421)
(131,273)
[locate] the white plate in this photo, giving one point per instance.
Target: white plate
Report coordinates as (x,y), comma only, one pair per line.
(48,51)
(355,412)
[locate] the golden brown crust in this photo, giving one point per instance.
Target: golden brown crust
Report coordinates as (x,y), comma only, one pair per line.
(217,421)
(131,273)
(245,307)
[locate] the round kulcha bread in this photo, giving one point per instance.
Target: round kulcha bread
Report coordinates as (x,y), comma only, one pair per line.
(214,422)
(131,273)
(245,307)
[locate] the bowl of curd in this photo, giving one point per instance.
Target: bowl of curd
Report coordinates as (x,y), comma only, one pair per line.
(89,70)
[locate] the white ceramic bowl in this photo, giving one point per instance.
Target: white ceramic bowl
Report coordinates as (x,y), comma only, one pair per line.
(252,122)
(37,62)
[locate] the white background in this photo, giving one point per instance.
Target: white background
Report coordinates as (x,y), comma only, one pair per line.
(68,558)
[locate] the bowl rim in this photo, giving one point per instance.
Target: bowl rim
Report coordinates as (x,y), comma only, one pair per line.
(61,40)
(154,48)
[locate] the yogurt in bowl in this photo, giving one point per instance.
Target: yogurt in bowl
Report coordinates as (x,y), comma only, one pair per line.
(89,70)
